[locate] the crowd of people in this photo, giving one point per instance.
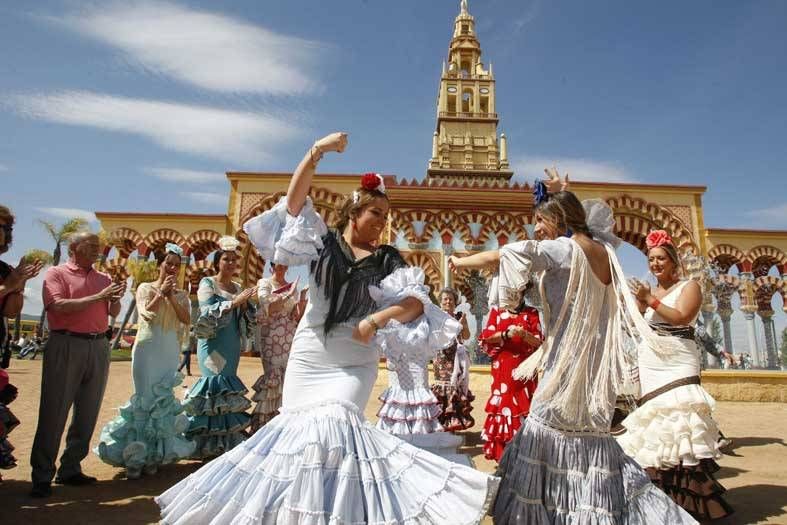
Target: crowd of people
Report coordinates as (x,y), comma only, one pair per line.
(567,335)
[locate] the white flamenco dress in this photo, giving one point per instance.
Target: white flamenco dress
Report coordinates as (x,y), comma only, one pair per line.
(673,435)
(409,408)
(320,461)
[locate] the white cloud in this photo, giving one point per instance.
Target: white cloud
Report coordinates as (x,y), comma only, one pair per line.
(529,168)
(234,136)
(69,213)
(3,167)
(773,217)
(181,175)
(205,49)
(206,197)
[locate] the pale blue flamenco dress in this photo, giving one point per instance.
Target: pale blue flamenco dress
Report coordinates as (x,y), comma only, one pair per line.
(216,404)
(320,461)
(150,428)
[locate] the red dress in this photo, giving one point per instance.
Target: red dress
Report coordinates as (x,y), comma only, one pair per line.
(510,399)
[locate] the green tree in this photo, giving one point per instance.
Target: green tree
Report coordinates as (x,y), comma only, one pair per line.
(31,255)
(140,271)
(59,235)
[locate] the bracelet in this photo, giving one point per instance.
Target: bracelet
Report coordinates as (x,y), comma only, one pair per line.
(369,319)
(654,304)
(504,335)
(312,158)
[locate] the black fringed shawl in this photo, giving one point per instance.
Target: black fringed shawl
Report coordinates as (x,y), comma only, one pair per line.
(337,266)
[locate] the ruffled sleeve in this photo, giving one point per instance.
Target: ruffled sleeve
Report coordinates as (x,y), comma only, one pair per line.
(427,334)
(211,304)
(491,349)
(284,239)
(145,292)
(520,260)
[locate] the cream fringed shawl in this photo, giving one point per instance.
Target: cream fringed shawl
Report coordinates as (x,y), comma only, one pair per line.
(594,336)
(164,316)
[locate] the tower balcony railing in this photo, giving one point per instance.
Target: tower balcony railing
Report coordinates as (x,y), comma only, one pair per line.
(466,114)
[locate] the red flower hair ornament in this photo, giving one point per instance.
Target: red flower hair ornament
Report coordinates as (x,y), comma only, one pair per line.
(657,238)
(370,182)
(373,181)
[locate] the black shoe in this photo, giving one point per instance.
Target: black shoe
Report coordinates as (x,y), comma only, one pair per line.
(77,480)
(41,490)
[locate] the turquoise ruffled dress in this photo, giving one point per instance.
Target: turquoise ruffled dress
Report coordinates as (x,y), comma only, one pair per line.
(217,404)
(150,428)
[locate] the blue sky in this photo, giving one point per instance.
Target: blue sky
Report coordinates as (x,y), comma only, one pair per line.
(142,106)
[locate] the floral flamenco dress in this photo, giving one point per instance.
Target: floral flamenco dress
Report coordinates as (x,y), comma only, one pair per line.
(672,434)
(275,332)
(509,403)
(455,397)
(150,428)
(319,461)
(216,403)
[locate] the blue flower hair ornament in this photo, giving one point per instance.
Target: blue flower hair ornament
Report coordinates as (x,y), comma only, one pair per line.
(540,193)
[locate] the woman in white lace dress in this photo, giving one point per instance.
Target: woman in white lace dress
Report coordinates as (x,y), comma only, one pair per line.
(672,434)
(563,466)
(319,460)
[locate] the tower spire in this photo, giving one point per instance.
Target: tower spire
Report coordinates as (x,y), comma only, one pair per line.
(465,144)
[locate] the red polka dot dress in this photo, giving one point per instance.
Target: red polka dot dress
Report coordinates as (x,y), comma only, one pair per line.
(510,399)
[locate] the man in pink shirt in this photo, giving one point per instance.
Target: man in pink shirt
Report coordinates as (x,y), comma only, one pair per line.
(78,300)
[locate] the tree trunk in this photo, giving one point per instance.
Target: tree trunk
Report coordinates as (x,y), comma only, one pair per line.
(42,318)
(131,308)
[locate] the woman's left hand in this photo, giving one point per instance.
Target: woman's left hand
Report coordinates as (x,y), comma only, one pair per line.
(454,264)
(364,332)
(640,290)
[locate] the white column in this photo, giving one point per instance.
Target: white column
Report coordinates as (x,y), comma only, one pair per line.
(751,332)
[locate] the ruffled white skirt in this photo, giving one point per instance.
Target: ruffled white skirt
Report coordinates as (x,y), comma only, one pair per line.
(675,428)
(323,464)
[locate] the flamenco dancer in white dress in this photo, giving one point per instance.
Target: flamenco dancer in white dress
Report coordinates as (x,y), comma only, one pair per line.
(672,434)
(563,466)
(320,461)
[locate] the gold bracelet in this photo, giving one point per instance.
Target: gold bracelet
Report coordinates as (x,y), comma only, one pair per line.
(369,319)
(311,155)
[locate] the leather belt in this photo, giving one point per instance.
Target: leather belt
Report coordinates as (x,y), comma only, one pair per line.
(90,336)
(693,380)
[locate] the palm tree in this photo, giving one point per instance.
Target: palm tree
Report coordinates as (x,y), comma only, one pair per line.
(140,271)
(59,234)
(32,255)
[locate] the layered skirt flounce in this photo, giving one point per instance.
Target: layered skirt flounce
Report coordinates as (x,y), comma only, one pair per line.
(675,428)
(505,411)
(216,407)
(325,464)
(674,437)
(456,406)
(414,411)
(560,477)
(147,433)
(267,395)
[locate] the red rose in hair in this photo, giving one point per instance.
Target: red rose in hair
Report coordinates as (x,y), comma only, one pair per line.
(371,181)
(657,238)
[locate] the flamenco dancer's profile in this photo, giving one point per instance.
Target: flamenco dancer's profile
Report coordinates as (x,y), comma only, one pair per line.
(319,460)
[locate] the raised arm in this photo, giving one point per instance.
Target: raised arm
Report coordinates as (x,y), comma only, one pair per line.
(302,178)
(475,261)
(406,310)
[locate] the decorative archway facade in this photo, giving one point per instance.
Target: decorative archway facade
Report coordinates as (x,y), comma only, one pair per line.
(468,202)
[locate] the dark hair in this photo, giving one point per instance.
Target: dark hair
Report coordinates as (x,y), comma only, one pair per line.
(451,291)
(162,256)
(349,208)
(8,218)
(217,258)
(565,210)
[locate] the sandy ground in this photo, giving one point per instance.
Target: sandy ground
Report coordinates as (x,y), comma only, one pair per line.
(755,473)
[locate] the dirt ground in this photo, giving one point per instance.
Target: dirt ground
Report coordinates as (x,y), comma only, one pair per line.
(755,473)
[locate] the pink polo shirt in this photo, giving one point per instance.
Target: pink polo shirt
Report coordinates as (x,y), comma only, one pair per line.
(69,281)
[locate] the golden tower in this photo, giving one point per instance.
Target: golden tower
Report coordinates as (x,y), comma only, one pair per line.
(465,145)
